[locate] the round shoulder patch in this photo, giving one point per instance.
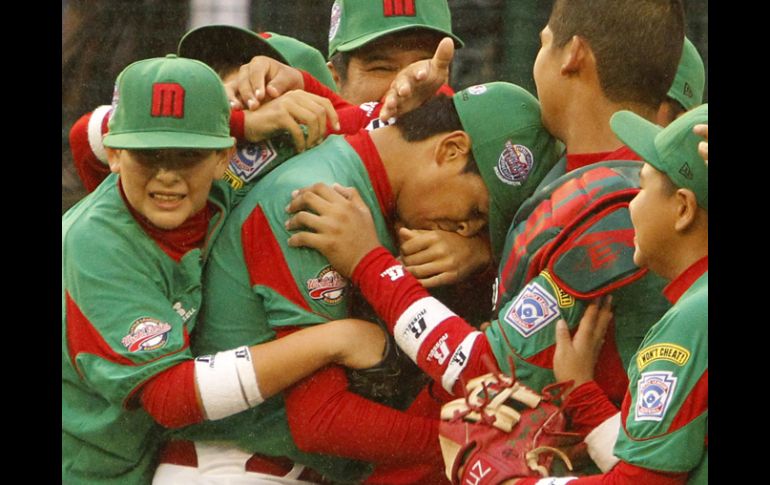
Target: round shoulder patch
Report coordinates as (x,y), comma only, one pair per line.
(329,286)
(146,334)
(514,164)
(477,89)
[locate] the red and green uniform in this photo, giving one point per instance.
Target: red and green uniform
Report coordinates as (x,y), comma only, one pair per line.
(257,288)
(130,299)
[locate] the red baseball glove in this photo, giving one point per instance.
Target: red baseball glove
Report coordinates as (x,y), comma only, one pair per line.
(503,430)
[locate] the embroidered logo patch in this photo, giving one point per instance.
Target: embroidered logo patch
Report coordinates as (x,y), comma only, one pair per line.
(167,100)
(394,272)
(654,391)
(514,164)
(532,310)
(328,286)
(146,334)
(335,19)
(670,352)
(251,158)
(184,313)
(477,89)
(440,350)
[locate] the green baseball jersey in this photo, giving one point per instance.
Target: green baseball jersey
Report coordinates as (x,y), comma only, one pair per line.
(127,311)
(255,283)
(665,414)
(572,241)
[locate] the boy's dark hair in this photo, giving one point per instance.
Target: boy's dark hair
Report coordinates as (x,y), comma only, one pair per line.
(437,115)
(637,43)
(340,61)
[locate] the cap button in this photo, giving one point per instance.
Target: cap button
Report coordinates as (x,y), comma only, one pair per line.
(171,56)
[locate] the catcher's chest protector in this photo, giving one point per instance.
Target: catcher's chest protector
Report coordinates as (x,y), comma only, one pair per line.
(578,228)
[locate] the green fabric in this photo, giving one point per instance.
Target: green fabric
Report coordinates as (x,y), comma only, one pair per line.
(238,313)
(355,23)
(118,276)
(672,150)
(228,44)
(647,439)
(512,148)
(690,78)
(169,102)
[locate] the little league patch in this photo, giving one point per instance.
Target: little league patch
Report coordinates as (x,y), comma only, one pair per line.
(654,390)
(532,310)
(251,158)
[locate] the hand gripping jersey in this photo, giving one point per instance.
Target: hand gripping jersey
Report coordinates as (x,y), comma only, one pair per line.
(127,311)
(664,417)
(570,242)
(256,284)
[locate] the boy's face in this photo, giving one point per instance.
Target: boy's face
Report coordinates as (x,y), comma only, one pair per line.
(167,186)
(653,213)
(547,75)
(373,67)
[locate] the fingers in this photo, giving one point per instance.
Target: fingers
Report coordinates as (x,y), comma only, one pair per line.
(442,279)
(593,326)
(701,130)
(563,338)
(315,198)
(414,240)
(304,239)
(445,51)
(250,83)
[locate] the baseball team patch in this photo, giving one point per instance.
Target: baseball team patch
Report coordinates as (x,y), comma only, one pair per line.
(654,391)
(146,334)
(514,164)
(251,158)
(335,19)
(532,310)
(669,352)
(477,89)
(329,286)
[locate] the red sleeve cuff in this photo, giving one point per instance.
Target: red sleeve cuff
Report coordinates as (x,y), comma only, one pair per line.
(588,406)
(237,124)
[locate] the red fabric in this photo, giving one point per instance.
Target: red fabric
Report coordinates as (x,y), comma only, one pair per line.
(314,86)
(90,169)
(169,397)
(588,406)
(624,474)
(179,452)
(260,251)
(696,403)
(83,338)
(324,417)
(577,160)
(175,242)
(237,124)
(446,90)
(363,145)
(391,298)
(674,290)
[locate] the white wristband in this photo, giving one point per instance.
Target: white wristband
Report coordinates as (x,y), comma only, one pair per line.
(417,322)
(601,443)
(555,481)
(458,361)
(247,376)
(219,385)
(95,132)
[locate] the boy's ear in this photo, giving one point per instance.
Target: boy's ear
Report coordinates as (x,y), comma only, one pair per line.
(453,147)
(335,74)
(113,159)
(223,161)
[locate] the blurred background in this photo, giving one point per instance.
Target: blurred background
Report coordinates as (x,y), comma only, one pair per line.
(100,38)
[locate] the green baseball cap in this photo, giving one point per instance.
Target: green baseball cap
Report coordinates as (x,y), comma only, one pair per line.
(169,102)
(230,45)
(690,79)
(355,23)
(672,150)
(512,148)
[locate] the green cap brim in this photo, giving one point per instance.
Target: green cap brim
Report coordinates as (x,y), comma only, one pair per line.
(638,134)
(354,44)
(167,139)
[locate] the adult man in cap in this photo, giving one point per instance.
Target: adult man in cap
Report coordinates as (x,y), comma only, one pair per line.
(421,171)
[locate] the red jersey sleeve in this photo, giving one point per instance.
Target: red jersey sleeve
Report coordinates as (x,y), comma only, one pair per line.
(170,399)
(88,154)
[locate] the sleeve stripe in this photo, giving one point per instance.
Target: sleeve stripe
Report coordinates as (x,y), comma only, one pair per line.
(459,360)
(95,132)
(417,322)
(601,443)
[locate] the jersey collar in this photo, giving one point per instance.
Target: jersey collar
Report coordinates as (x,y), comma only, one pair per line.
(674,290)
(578,160)
(363,145)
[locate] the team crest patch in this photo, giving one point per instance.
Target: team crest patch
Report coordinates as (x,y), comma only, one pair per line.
(654,391)
(335,19)
(514,164)
(532,310)
(477,89)
(146,334)
(251,158)
(328,286)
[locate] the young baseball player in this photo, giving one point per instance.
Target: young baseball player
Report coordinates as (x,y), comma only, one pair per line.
(572,240)
(132,256)
(687,90)
(421,171)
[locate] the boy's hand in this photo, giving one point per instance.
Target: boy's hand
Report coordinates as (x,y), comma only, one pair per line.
(336,222)
(262,79)
(439,258)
